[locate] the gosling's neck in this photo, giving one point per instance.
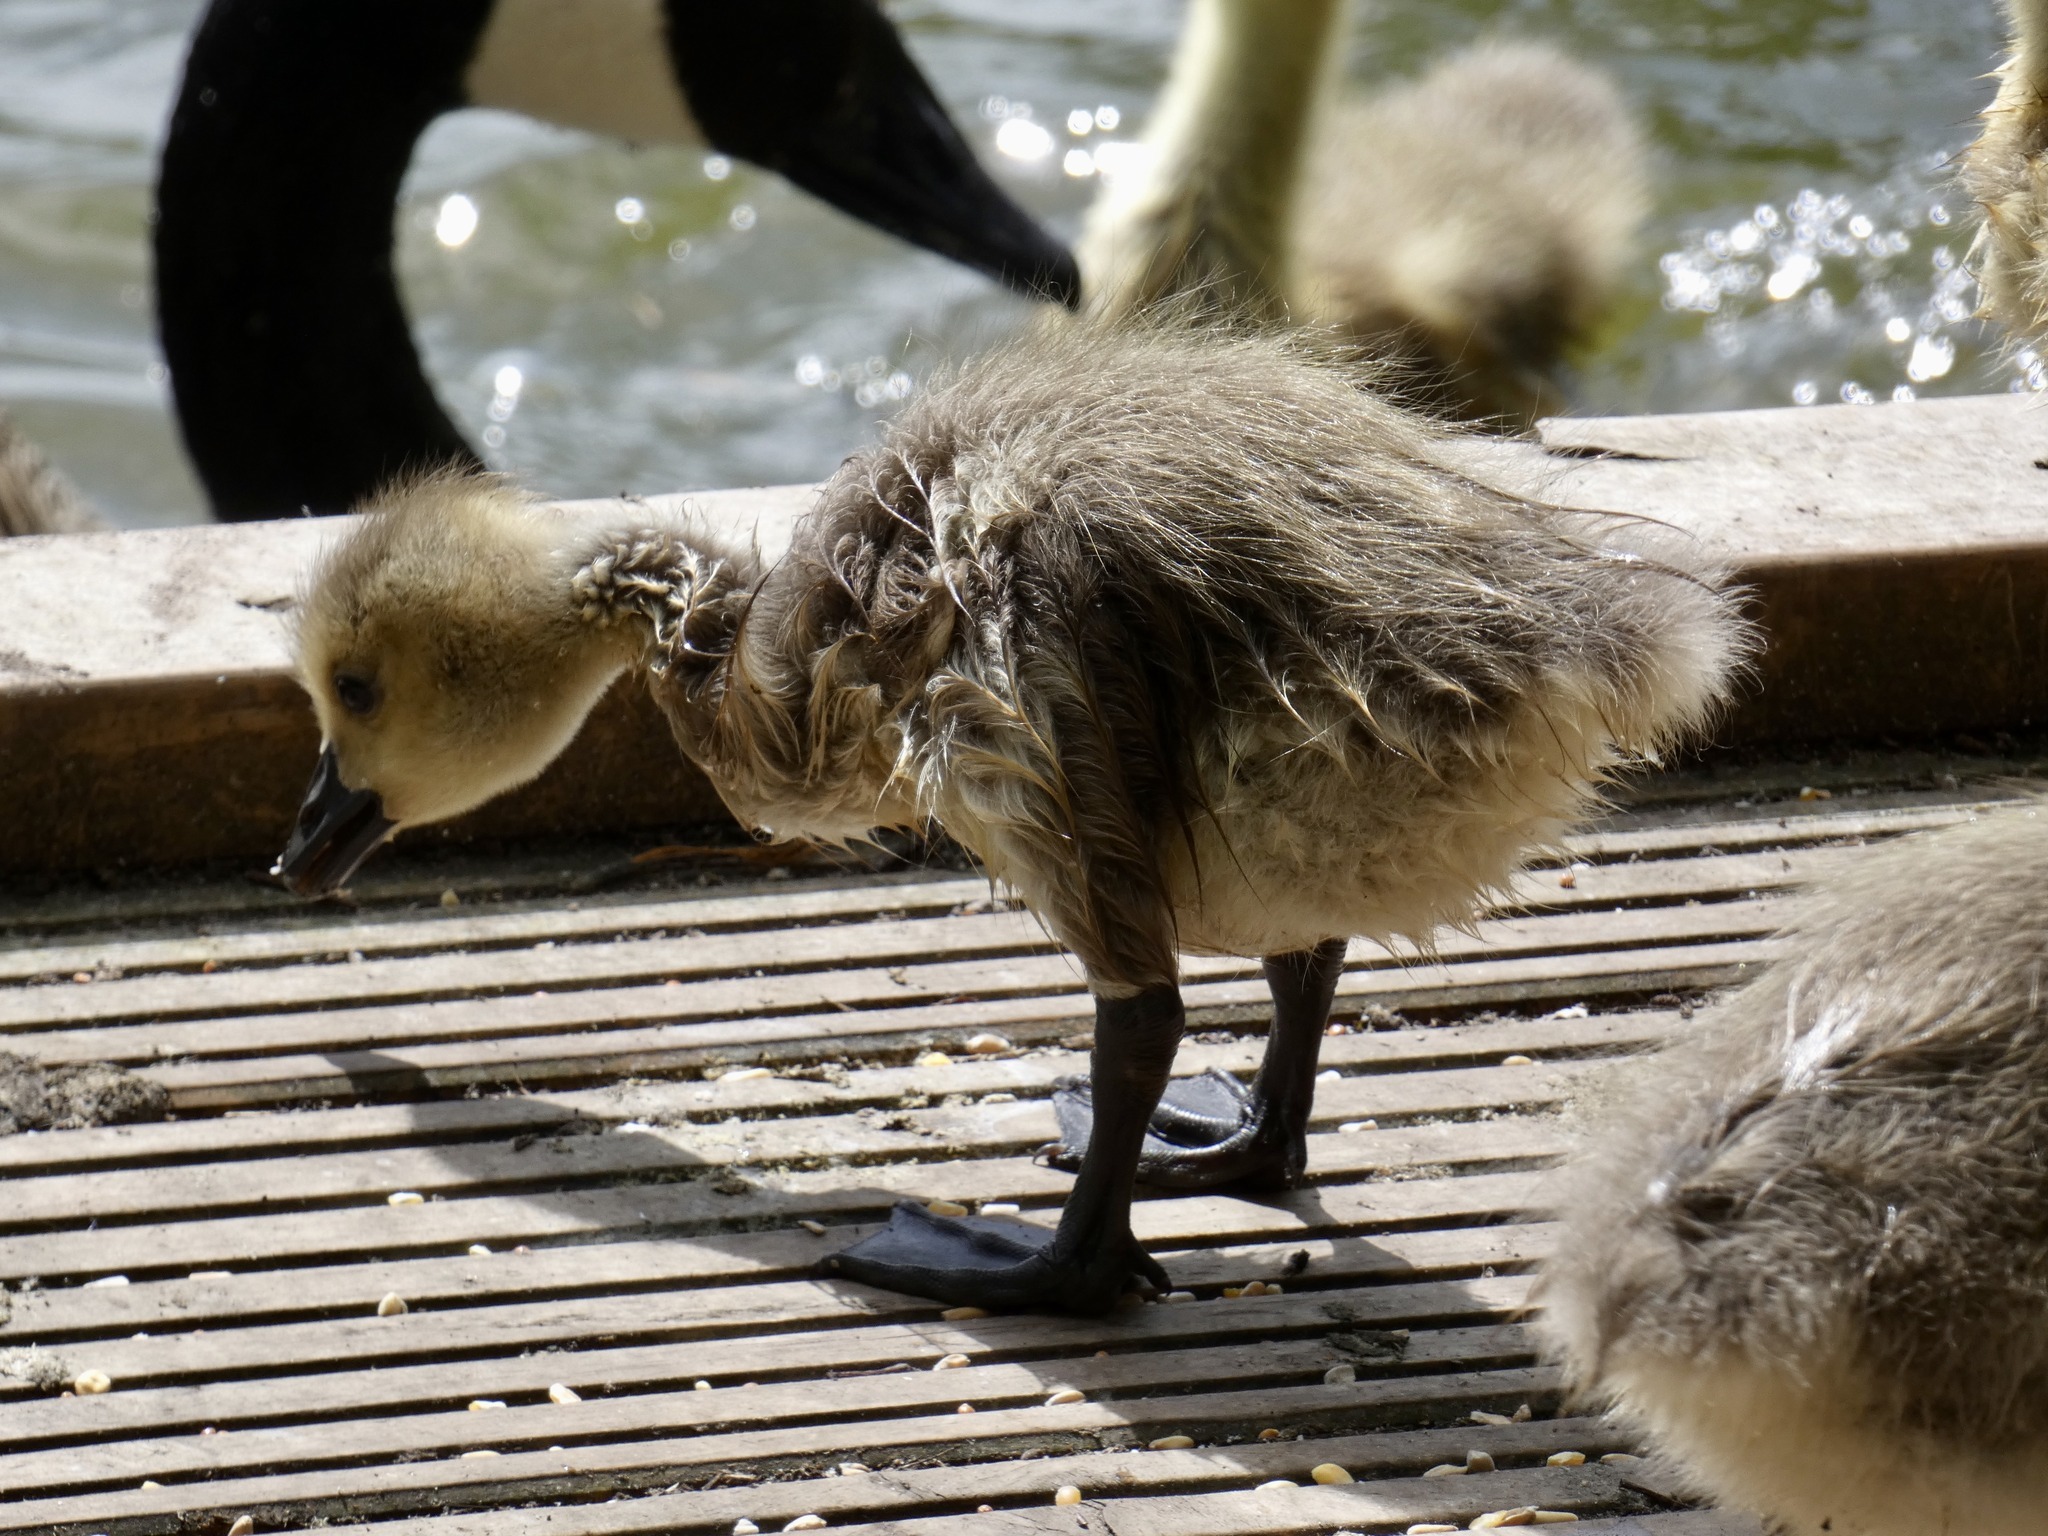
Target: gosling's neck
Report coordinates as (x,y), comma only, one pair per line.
(1208,208)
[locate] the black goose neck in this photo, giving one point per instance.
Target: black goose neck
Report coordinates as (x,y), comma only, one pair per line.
(292,363)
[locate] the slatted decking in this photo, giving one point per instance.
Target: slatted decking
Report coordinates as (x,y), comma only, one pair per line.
(599,1215)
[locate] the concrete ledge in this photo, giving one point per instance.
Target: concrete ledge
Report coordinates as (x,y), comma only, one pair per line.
(1899,556)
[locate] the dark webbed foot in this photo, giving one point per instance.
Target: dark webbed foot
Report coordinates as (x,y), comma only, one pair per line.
(974,1261)
(1211,1130)
(1208,1131)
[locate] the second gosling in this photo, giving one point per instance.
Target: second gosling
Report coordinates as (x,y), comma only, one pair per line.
(1811,1256)
(1196,644)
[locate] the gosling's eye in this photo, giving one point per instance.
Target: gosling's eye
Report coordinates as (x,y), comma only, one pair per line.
(358,695)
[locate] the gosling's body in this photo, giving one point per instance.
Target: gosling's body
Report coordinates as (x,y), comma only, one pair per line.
(1469,227)
(1194,643)
(1476,222)
(35,496)
(2006,172)
(1812,1256)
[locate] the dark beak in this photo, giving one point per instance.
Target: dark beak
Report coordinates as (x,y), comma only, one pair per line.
(337,829)
(823,92)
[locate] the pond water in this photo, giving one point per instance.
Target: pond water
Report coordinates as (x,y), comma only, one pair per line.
(621,320)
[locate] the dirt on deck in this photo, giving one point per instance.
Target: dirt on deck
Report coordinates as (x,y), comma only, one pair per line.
(34,1097)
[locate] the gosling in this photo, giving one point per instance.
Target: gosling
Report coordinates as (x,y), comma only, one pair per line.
(1471,227)
(2006,172)
(1475,224)
(36,496)
(1194,643)
(1812,1257)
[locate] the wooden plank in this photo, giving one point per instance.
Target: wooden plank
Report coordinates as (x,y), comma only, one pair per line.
(1895,552)
(573,1471)
(1025,1486)
(872,964)
(831,1196)
(158,1145)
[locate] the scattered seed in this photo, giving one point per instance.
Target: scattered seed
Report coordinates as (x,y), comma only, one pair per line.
(479,1250)
(405,1197)
(564,1394)
(806,1523)
(1518,1061)
(987,1045)
(1620,1459)
(1446,1469)
(745,1528)
(1173,1443)
(1810,793)
(1338,1375)
(701,1386)
(1481,1416)
(1565,1459)
(1000,1207)
(1178,1296)
(1478,1461)
(965,1314)
(946,1208)
(999,1098)
(148,1485)
(1269,1434)
(1568,880)
(1066,1395)
(853,1469)
(477,1455)
(1353,1127)
(1523,1414)
(965,1408)
(935,1059)
(485,1404)
(392,1305)
(952,1363)
(1232,1292)
(450,900)
(210,1274)
(1277,1485)
(815,1228)
(92,1383)
(745,1075)
(1067,1495)
(244,1526)
(1495,1519)
(1330,1474)
(1429,1530)
(105,1282)
(1555,1517)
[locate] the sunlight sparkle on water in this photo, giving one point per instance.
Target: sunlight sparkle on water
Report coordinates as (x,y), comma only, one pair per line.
(508,380)
(1022,139)
(456,221)
(629,210)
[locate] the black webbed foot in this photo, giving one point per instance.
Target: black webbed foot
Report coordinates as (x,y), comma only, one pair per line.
(975,1261)
(1208,1131)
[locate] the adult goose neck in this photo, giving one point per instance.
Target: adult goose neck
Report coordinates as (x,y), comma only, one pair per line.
(296,383)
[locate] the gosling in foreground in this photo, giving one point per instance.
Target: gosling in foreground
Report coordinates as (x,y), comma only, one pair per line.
(1198,646)
(1812,1256)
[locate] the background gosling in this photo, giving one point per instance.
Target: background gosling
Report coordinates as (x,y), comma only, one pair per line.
(1811,1256)
(2007,173)
(1195,644)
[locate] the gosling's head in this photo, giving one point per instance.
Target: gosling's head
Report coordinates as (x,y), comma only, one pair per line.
(447,662)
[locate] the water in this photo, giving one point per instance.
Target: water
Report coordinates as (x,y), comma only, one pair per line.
(621,320)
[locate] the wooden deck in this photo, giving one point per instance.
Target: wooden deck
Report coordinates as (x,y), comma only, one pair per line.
(496,1104)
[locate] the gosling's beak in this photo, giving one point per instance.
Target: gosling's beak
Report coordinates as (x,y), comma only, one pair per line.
(337,829)
(824,94)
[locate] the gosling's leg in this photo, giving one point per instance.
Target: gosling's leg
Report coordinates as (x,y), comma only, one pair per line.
(1091,1258)
(1211,1130)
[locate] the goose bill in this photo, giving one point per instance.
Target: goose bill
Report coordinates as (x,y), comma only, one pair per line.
(826,95)
(337,829)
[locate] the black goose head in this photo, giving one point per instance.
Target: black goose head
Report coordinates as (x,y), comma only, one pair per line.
(291,357)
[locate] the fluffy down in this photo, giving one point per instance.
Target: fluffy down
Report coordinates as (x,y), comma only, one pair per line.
(1475,222)
(34,496)
(1197,644)
(2006,173)
(1812,1256)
